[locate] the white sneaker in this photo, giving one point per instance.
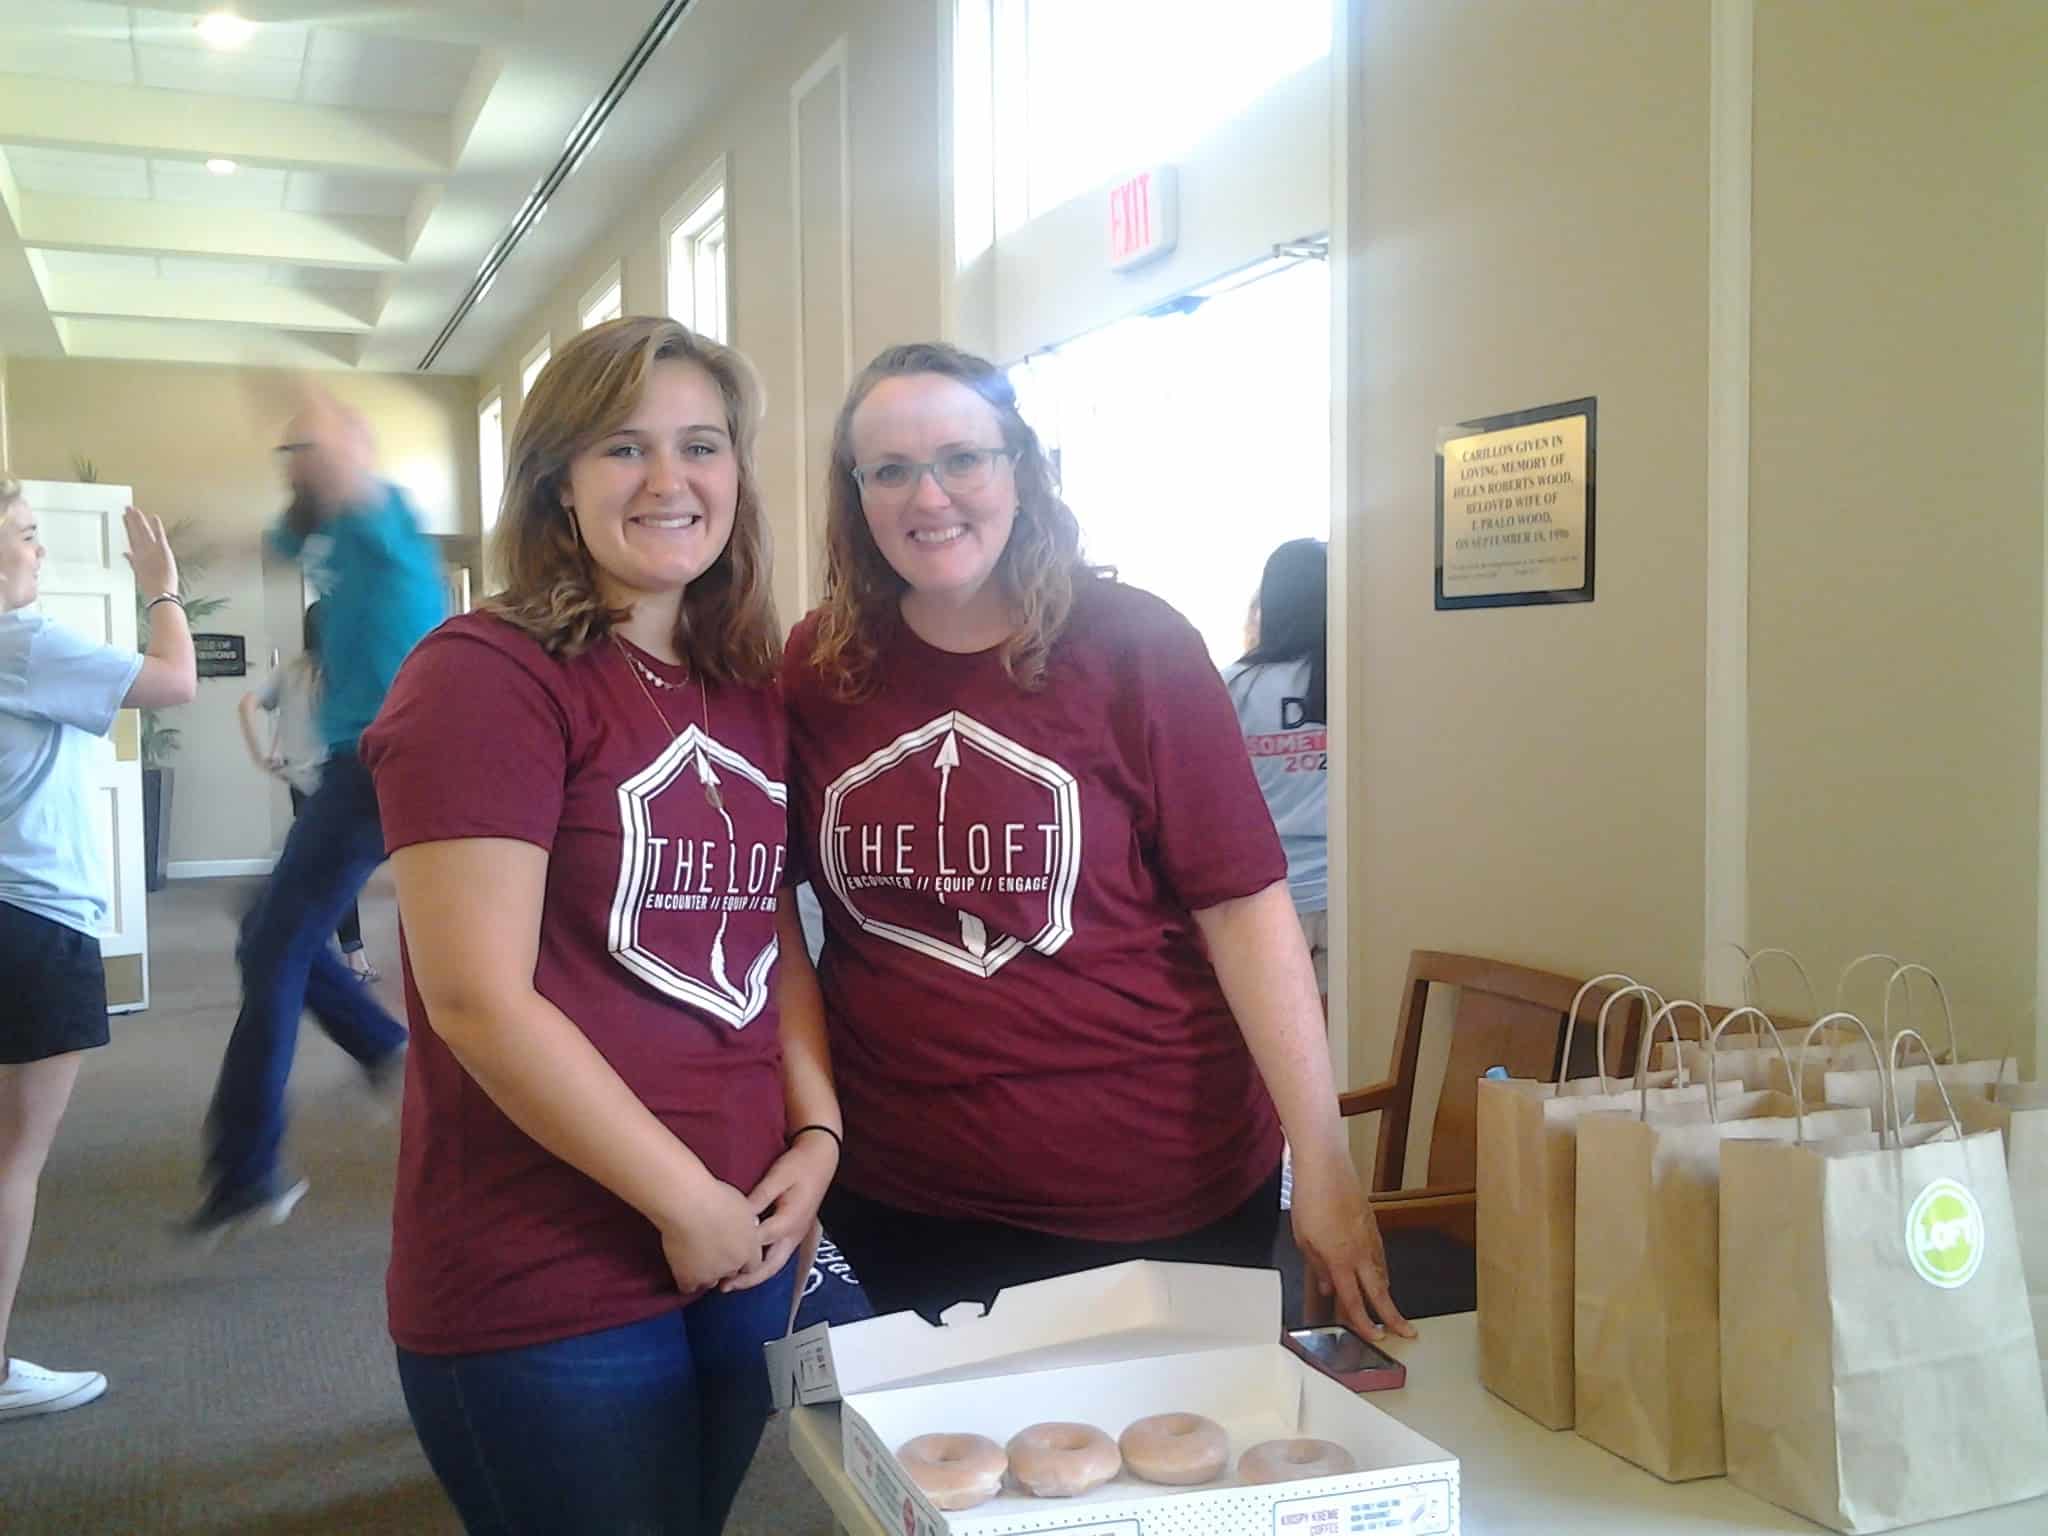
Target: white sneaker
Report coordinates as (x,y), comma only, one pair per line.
(30,1390)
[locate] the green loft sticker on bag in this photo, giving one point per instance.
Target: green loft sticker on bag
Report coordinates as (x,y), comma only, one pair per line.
(1945,1234)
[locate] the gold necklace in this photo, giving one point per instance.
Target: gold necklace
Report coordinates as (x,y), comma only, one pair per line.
(705,777)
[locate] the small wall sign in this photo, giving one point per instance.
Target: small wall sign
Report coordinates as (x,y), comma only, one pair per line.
(221,655)
(1144,217)
(1514,508)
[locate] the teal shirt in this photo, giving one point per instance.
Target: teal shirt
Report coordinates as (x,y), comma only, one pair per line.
(380,580)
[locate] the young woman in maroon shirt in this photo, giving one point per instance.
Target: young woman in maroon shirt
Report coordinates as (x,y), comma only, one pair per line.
(618,1117)
(1064,982)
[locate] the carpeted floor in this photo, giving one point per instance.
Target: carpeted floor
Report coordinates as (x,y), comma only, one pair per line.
(252,1391)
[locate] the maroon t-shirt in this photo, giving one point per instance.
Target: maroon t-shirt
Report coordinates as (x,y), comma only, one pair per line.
(1025,1025)
(657,940)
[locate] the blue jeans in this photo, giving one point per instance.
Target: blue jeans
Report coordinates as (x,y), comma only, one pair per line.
(641,1430)
(330,853)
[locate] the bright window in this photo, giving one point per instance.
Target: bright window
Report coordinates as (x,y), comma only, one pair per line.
(604,302)
(490,458)
(1155,80)
(529,370)
(1155,422)
(696,238)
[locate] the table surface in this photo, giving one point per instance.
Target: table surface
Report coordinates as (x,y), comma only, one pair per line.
(1515,1475)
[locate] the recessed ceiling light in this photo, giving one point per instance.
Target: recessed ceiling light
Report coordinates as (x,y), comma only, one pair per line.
(221,167)
(224,29)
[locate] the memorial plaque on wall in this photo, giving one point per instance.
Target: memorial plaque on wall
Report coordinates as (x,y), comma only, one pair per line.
(221,655)
(1514,508)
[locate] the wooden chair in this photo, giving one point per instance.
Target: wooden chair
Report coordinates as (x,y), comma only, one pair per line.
(1507,1016)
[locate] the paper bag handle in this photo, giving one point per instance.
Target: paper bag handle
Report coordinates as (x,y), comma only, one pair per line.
(1652,1001)
(1571,1024)
(1884,1083)
(1907,973)
(1762,1022)
(1899,1099)
(1805,979)
(1643,1051)
(1842,981)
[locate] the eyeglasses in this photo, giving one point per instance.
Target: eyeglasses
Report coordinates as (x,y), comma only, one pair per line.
(960,473)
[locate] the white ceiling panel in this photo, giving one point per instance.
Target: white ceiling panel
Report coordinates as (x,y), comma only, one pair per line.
(322,279)
(252,77)
(196,269)
(180,31)
(78,173)
(251,186)
(387,74)
(89,60)
(322,192)
(97,264)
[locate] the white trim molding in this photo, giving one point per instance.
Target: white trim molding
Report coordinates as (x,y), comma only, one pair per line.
(2033,1068)
(832,60)
(1730,179)
(215,869)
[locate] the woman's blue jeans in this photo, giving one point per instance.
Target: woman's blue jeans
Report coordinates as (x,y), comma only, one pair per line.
(641,1430)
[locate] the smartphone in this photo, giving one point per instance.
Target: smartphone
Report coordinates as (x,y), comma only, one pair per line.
(1347,1357)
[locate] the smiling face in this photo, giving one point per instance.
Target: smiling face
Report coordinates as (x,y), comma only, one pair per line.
(944,544)
(21,556)
(655,499)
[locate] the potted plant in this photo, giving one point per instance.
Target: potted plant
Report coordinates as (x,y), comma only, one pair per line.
(159,741)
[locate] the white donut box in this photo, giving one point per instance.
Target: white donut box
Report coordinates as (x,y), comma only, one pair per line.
(1106,1347)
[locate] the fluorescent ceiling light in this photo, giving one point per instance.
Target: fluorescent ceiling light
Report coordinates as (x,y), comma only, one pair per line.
(224,29)
(221,167)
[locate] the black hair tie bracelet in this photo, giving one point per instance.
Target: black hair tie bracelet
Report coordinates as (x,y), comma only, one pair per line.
(838,1140)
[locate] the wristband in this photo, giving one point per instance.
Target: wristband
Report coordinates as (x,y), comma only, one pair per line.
(838,1140)
(164,597)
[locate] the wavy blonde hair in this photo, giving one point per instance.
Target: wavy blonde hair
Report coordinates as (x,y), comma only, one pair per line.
(1039,567)
(726,628)
(11,491)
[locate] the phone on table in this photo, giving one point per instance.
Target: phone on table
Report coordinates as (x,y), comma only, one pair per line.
(1347,1357)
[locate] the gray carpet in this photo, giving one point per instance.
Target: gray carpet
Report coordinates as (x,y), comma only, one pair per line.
(252,1391)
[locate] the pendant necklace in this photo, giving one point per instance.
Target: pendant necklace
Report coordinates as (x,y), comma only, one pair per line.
(643,675)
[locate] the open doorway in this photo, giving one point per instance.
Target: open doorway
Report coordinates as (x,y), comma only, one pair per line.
(1193,440)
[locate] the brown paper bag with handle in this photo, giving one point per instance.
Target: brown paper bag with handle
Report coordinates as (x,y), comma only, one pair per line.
(1527,1174)
(2019,1113)
(1749,1065)
(1877,1358)
(1825,1077)
(1646,1316)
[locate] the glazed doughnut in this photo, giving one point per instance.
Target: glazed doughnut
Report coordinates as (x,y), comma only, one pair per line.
(1057,1461)
(1175,1448)
(1283,1461)
(955,1471)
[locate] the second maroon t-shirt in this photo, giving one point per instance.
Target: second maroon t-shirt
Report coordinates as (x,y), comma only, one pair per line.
(1025,1026)
(658,941)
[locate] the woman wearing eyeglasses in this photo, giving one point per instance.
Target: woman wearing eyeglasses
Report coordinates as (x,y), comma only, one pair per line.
(1064,984)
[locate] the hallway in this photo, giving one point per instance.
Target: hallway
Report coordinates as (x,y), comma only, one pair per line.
(253,1390)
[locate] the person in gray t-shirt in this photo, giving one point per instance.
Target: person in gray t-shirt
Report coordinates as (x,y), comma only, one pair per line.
(59,693)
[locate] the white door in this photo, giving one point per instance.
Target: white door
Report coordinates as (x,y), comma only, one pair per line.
(87,586)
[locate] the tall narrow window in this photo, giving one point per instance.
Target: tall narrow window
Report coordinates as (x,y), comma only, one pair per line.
(490,458)
(529,370)
(696,257)
(604,302)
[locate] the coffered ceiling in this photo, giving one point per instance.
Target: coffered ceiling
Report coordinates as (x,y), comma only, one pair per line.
(317,186)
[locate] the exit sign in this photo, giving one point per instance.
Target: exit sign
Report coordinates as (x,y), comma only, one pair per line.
(1144,218)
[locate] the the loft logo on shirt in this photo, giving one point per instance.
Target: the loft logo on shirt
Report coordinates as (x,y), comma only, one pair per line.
(685,872)
(958,843)
(1945,1234)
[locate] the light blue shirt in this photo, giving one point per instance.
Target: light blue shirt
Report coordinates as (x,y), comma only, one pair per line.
(59,693)
(1291,757)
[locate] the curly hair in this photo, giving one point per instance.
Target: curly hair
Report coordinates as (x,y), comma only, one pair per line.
(1038,568)
(726,628)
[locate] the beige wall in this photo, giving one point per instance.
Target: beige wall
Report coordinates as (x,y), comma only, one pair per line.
(197,445)
(1526,196)
(896,161)
(1896,562)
